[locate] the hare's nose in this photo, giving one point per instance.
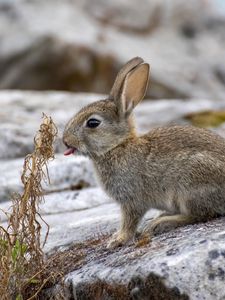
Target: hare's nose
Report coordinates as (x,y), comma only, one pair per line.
(65,143)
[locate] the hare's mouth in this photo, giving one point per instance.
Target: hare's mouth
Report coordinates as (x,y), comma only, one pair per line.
(69,150)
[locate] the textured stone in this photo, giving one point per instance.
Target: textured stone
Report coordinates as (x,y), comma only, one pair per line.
(187,263)
(65,174)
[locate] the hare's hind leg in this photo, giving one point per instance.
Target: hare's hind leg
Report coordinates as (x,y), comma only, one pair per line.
(167,223)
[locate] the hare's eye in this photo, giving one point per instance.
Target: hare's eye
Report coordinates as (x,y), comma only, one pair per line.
(93,123)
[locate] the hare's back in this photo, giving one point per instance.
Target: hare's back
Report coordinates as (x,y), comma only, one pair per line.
(165,140)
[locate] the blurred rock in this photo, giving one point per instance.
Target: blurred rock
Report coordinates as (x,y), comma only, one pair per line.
(21,114)
(85,43)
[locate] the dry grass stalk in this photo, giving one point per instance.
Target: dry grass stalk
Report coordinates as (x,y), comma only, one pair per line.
(21,255)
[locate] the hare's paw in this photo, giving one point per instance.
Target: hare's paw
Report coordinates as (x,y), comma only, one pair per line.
(159,226)
(118,239)
(167,223)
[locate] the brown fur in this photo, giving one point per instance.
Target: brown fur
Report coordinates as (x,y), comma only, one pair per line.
(179,169)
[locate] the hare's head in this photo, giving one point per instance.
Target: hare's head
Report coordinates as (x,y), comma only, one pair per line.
(102,125)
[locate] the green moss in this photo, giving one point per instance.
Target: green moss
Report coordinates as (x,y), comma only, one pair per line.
(207,118)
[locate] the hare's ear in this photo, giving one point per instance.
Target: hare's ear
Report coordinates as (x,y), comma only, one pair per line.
(130,65)
(134,88)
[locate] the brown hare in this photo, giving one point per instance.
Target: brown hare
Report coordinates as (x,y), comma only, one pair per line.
(177,169)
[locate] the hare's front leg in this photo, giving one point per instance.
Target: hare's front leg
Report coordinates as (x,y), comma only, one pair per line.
(129,222)
(167,222)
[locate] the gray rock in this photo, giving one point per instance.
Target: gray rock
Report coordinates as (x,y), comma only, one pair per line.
(21,114)
(65,174)
(78,226)
(187,263)
(77,216)
(41,52)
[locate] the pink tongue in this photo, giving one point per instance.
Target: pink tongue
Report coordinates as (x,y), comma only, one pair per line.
(69,151)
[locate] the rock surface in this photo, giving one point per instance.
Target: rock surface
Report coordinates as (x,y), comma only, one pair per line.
(85,44)
(71,174)
(187,263)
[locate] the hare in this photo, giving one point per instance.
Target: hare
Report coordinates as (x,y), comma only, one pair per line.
(177,169)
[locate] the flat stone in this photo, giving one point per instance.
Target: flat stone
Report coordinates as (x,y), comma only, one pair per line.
(74,216)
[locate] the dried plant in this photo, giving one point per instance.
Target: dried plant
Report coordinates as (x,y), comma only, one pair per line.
(21,254)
